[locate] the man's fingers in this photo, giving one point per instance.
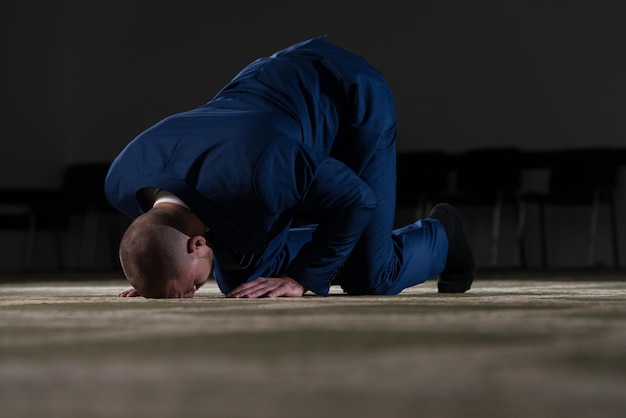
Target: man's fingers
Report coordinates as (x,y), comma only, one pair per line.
(268,287)
(242,288)
(254,289)
(130,293)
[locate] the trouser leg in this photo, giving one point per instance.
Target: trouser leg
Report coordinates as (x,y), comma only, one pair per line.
(387,261)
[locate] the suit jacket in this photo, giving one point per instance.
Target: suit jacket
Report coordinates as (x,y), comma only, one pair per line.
(288,136)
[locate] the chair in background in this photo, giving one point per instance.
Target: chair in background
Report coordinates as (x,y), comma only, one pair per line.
(83,193)
(581,177)
(490,177)
(421,177)
(31,211)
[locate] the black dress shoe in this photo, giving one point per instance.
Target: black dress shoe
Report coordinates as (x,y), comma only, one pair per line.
(458,274)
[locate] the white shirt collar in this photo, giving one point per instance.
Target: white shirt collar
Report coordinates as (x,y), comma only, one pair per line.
(163,196)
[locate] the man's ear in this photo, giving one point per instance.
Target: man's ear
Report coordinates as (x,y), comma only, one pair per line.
(195,243)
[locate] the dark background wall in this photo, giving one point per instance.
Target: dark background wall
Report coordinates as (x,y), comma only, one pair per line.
(81,79)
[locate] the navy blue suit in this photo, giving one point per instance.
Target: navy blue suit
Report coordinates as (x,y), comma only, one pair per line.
(307,133)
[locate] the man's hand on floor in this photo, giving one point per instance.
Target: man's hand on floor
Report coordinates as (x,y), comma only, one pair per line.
(270,287)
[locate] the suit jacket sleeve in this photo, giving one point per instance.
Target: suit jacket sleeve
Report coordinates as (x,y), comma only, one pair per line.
(290,179)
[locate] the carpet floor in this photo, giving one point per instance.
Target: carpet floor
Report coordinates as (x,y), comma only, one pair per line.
(516,345)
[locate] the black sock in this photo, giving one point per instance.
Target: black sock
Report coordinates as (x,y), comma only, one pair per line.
(458,273)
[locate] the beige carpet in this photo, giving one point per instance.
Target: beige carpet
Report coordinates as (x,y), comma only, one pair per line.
(514,346)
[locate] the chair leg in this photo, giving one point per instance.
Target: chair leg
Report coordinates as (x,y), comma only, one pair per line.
(543,232)
(115,233)
(520,214)
(29,248)
(89,239)
(495,231)
(616,263)
(58,240)
(593,228)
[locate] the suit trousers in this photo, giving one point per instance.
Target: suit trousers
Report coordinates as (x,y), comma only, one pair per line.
(385,261)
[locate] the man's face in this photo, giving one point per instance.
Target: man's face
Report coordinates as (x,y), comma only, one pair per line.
(187,284)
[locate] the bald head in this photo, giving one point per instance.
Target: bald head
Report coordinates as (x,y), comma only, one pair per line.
(163,246)
(152,252)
